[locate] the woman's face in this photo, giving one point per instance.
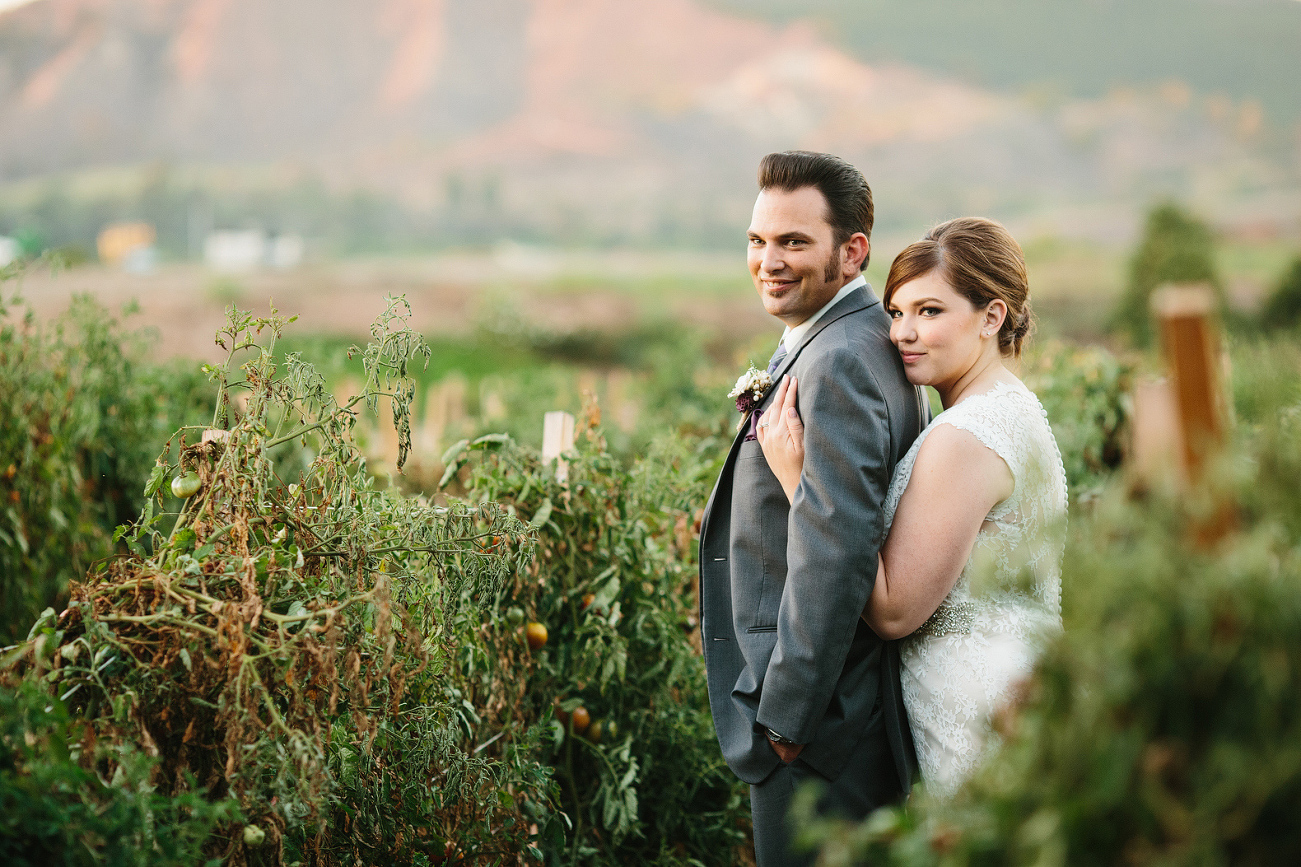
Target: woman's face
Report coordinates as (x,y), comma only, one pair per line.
(939,333)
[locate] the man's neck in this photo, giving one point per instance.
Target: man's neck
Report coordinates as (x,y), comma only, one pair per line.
(795,333)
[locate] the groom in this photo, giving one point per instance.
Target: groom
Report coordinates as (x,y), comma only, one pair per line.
(800,687)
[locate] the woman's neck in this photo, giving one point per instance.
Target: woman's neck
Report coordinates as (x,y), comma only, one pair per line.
(979,379)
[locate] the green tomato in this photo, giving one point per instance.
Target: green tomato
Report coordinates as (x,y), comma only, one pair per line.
(515,616)
(186,485)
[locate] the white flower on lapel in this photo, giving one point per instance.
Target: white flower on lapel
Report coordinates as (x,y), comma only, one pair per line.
(750,389)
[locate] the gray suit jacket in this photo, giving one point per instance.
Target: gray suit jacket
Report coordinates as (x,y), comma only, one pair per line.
(782,585)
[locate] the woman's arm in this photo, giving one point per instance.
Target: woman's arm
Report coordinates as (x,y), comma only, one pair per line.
(955,481)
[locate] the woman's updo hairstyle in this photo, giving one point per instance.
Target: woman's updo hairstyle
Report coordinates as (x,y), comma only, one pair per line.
(981,261)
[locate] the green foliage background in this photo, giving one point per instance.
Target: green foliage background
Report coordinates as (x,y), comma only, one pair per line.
(1282,309)
(1176,248)
(83,417)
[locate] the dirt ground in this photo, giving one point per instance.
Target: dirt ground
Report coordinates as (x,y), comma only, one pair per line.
(449,295)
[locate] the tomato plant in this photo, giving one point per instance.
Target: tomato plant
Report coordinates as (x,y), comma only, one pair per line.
(613,582)
(82,417)
(288,643)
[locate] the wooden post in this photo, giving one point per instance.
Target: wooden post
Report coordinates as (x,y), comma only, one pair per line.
(1192,353)
(1191,350)
(618,386)
(491,406)
(1156,455)
(557,438)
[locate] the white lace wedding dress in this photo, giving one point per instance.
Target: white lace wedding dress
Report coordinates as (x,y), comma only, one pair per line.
(965,661)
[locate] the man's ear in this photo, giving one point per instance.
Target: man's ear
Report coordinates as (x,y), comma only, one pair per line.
(853,254)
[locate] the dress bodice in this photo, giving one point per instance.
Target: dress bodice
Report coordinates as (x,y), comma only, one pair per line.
(1017,555)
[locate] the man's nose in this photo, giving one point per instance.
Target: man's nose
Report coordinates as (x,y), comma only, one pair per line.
(772,261)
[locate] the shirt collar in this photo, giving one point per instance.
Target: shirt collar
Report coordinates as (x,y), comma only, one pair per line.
(792,336)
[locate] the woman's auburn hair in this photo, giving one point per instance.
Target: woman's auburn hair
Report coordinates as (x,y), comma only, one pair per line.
(981,261)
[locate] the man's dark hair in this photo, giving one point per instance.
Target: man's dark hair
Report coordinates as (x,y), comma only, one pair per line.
(848,197)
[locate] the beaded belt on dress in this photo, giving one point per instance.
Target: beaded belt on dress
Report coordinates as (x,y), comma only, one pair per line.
(953,617)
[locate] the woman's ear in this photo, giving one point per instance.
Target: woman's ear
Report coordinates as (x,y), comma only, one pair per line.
(995,314)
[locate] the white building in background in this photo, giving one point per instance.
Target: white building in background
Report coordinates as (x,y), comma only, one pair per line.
(250,249)
(286,252)
(235,251)
(9,250)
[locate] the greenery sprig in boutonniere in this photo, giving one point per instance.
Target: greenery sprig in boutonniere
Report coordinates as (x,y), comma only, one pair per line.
(750,389)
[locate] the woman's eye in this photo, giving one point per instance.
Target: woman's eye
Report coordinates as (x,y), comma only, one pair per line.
(931,311)
(896,314)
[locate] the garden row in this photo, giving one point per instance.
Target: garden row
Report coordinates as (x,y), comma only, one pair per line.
(289,662)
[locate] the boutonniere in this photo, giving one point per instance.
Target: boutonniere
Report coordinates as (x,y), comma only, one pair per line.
(750,389)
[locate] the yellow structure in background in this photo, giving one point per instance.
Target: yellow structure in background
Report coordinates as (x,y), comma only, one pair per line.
(117,241)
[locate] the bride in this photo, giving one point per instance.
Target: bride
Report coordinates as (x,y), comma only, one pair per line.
(969,576)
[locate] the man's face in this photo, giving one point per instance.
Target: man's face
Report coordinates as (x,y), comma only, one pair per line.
(795,265)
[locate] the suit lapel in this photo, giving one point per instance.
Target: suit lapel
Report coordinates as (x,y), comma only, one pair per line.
(859,299)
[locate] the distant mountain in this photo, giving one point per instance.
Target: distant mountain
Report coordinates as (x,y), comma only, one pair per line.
(590,120)
(1243,49)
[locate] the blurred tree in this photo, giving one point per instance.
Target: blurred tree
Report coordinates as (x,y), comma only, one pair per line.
(1177,247)
(1283,307)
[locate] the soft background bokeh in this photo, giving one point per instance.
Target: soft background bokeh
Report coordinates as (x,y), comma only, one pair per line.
(591,163)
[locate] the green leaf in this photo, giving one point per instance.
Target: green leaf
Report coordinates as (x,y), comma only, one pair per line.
(448,475)
(156,479)
(454,452)
(541,515)
(44,621)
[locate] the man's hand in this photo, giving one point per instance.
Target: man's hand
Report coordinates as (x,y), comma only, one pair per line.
(786,752)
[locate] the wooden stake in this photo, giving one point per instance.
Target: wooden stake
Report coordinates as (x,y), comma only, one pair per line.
(1191,350)
(557,438)
(1192,353)
(1156,455)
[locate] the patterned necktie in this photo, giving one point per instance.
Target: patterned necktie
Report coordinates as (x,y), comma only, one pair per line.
(777,358)
(773,363)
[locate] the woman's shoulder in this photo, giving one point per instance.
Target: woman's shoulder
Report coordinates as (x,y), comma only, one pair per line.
(1006,402)
(997,418)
